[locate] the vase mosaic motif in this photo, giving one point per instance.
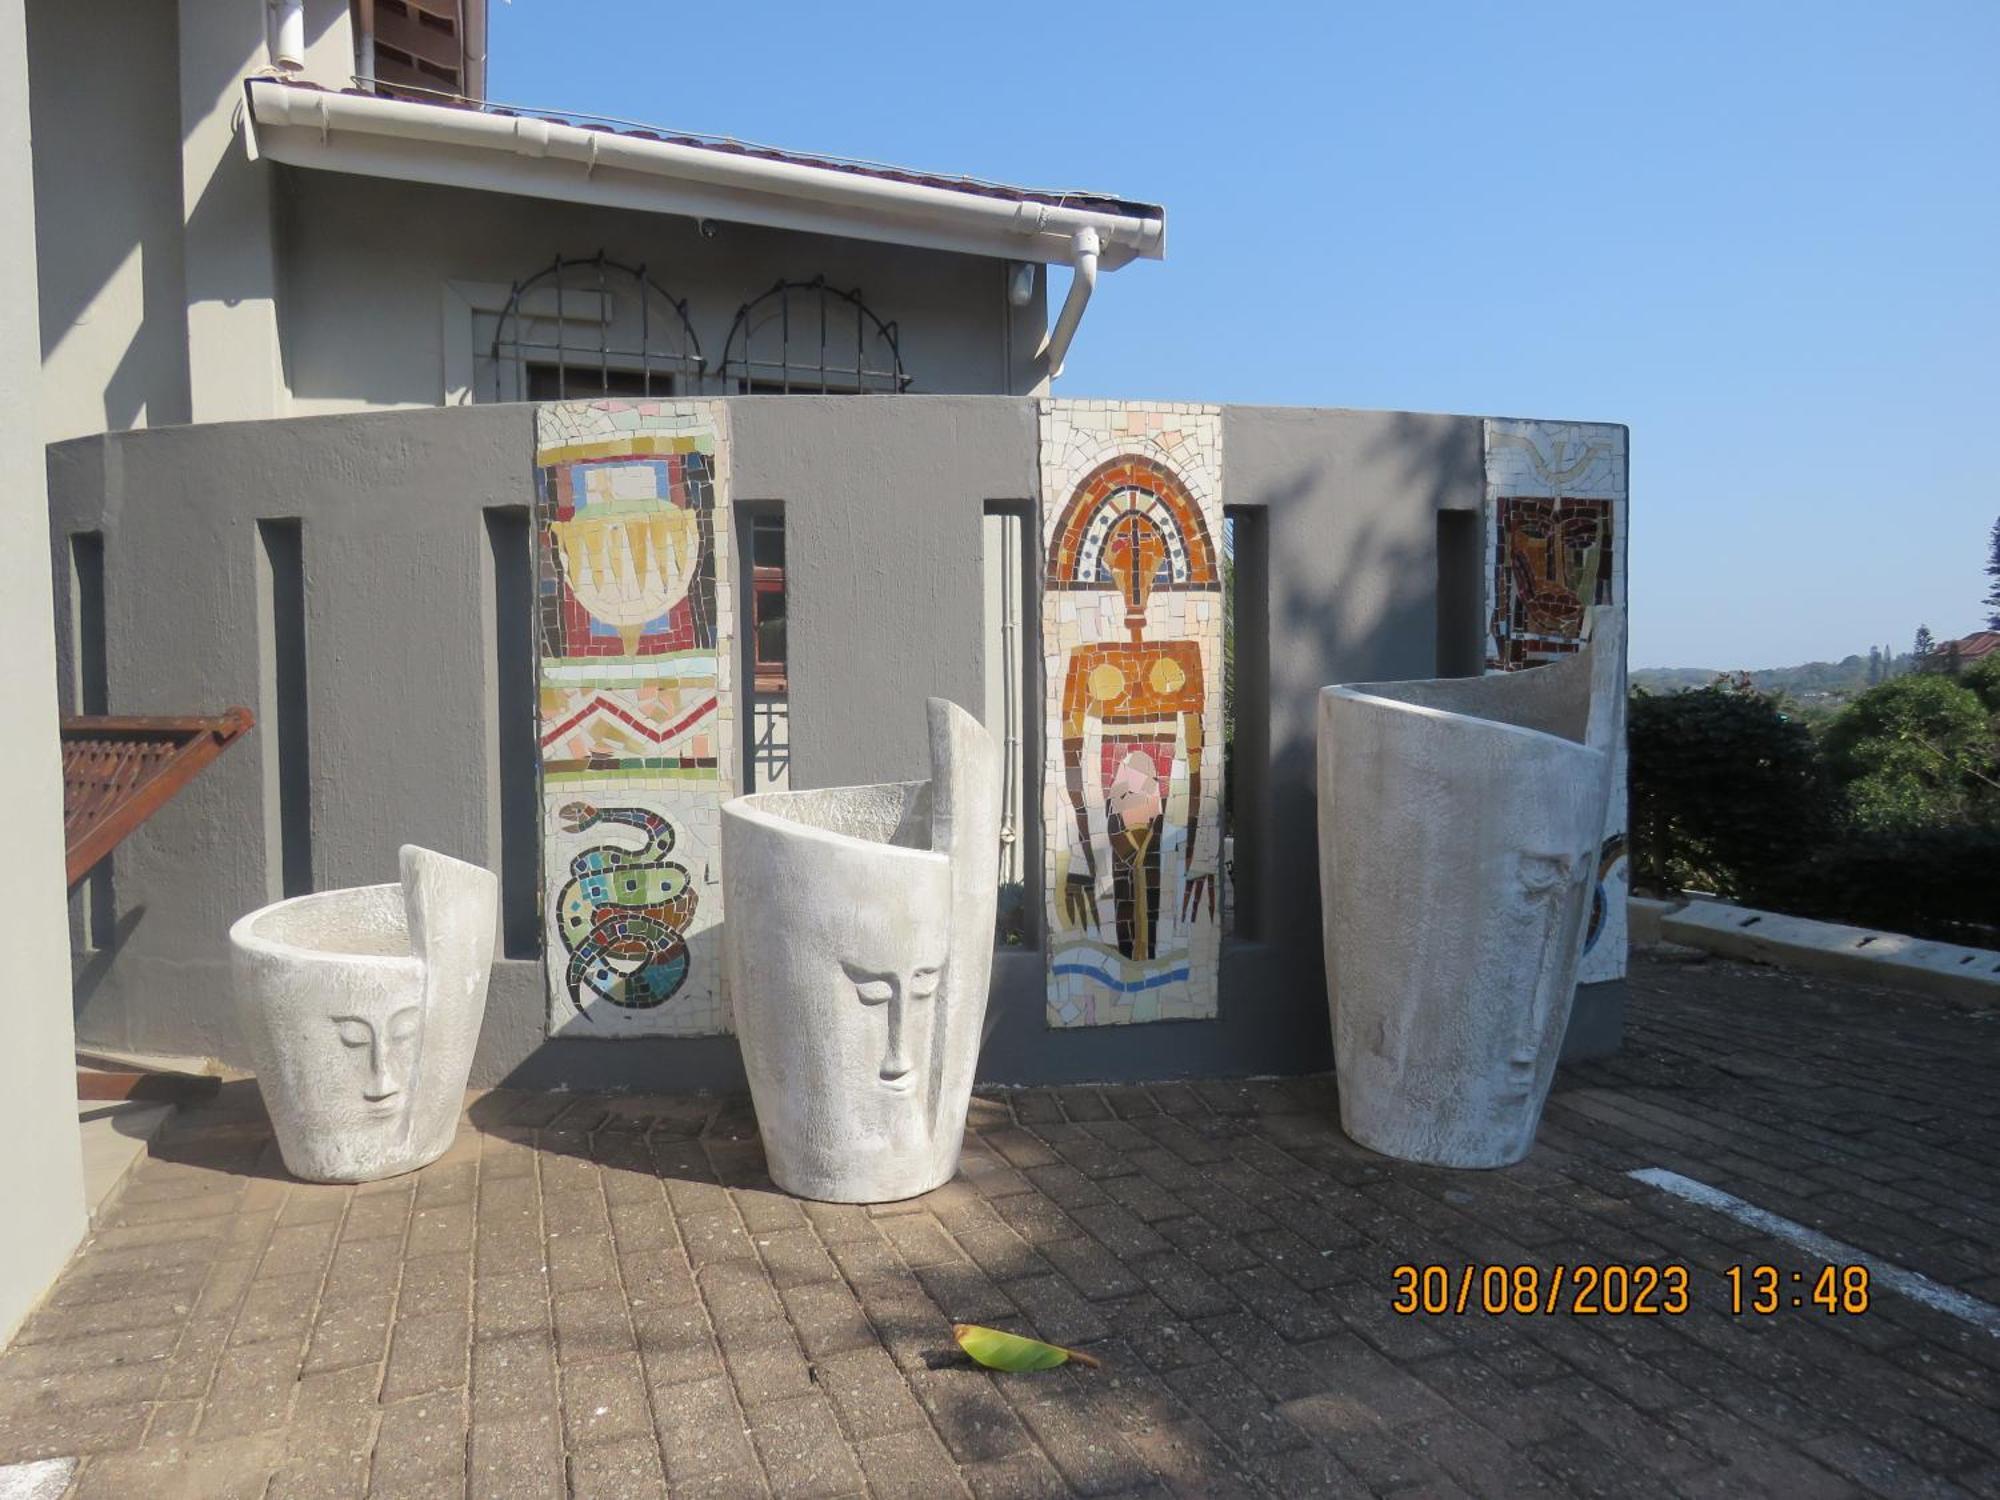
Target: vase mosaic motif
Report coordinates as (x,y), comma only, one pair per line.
(859,952)
(636,712)
(1132,621)
(1459,822)
(361,1009)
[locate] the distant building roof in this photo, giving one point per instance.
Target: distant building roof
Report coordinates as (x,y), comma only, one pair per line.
(1971,648)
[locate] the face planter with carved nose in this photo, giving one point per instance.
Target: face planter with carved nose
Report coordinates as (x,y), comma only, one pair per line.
(904,1000)
(354,1083)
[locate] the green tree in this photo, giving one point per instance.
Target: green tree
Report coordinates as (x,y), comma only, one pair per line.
(1916,751)
(1874,665)
(1922,647)
(1993,572)
(1983,678)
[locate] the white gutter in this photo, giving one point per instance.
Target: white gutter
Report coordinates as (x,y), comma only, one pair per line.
(395,138)
(1084,248)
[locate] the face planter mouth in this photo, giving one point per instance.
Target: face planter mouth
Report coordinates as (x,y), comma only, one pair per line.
(901,1083)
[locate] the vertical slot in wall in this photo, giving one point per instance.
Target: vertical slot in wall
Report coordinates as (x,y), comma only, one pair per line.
(764,671)
(1013,699)
(1246,717)
(513,832)
(1461,634)
(282,706)
(90,693)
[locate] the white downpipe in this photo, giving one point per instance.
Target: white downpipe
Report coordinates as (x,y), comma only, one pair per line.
(741,187)
(1083,253)
(285,26)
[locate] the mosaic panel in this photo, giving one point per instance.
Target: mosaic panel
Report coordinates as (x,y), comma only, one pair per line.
(636,722)
(1132,784)
(1555,545)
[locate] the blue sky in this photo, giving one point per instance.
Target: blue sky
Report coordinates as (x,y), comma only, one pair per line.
(1765,236)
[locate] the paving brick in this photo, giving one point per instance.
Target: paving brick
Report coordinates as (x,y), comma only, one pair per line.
(427,1353)
(435,1283)
(869,1394)
(506,1305)
(517,1458)
(766,1366)
(909,1465)
(828,1319)
(1023,1476)
(592,1323)
(974,1419)
(604,1400)
(419,1449)
(701,1430)
(350,1333)
(800,1446)
(512,1375)
(625,1470)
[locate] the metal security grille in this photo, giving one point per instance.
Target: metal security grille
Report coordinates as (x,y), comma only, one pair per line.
(592,326)
(808,338)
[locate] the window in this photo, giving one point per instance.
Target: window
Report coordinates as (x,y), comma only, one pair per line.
(807,338)
(767,605)
(592,326)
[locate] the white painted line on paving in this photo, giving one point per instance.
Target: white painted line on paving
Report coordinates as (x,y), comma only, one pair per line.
(1917,1288)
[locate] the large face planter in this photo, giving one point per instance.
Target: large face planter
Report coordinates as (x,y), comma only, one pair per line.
(1459,823)
(361,1009)
(859,943)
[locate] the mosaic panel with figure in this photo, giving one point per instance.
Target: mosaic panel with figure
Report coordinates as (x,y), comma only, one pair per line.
(1555,546)
(1132,630)
(636,724)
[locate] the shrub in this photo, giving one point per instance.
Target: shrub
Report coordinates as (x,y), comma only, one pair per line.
(1914,752)
(1727,790)
(1941,883)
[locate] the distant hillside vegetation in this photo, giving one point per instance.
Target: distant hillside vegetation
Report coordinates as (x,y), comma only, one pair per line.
(1815,682)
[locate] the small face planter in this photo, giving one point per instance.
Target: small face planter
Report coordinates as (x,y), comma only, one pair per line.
(361,1009)
(1459,822)
(859,944)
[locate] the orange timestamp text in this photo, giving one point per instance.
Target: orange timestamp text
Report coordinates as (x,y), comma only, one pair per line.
(1615,1290)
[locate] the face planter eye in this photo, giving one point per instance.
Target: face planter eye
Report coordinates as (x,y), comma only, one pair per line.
(1542,875)
(899,994)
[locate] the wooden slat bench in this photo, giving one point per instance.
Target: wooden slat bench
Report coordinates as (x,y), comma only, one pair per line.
(119,771)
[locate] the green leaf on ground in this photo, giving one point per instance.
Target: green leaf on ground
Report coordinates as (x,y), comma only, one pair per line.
(1009,1351)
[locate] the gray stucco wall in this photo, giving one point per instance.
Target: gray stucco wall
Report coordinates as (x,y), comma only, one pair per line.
(365,262)
(883,504)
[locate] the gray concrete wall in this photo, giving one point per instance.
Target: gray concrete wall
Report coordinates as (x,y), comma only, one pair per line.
(41,1171)
(883,504)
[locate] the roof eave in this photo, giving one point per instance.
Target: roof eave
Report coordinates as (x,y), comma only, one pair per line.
(380,137)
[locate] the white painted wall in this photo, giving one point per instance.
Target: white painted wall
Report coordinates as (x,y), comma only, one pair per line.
(41,1174)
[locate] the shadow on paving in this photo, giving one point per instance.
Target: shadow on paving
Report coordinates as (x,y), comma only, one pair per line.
(604,1295)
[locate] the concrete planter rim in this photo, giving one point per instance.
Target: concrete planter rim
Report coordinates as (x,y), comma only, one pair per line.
(245,932)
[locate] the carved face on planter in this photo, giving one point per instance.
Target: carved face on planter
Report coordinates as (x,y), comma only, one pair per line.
(355,1073)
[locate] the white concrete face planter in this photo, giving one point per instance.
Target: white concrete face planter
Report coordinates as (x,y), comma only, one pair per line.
(1459,822)
(858,948)
(361,1009)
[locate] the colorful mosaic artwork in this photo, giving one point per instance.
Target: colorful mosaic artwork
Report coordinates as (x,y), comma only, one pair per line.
(636,717)
(1132,626)
(1555,545)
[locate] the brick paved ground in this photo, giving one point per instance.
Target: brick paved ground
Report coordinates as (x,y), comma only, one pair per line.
(605,1297)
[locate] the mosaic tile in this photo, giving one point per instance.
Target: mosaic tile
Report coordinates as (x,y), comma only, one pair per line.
(635,625)
(1132,789)
(1556,495)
